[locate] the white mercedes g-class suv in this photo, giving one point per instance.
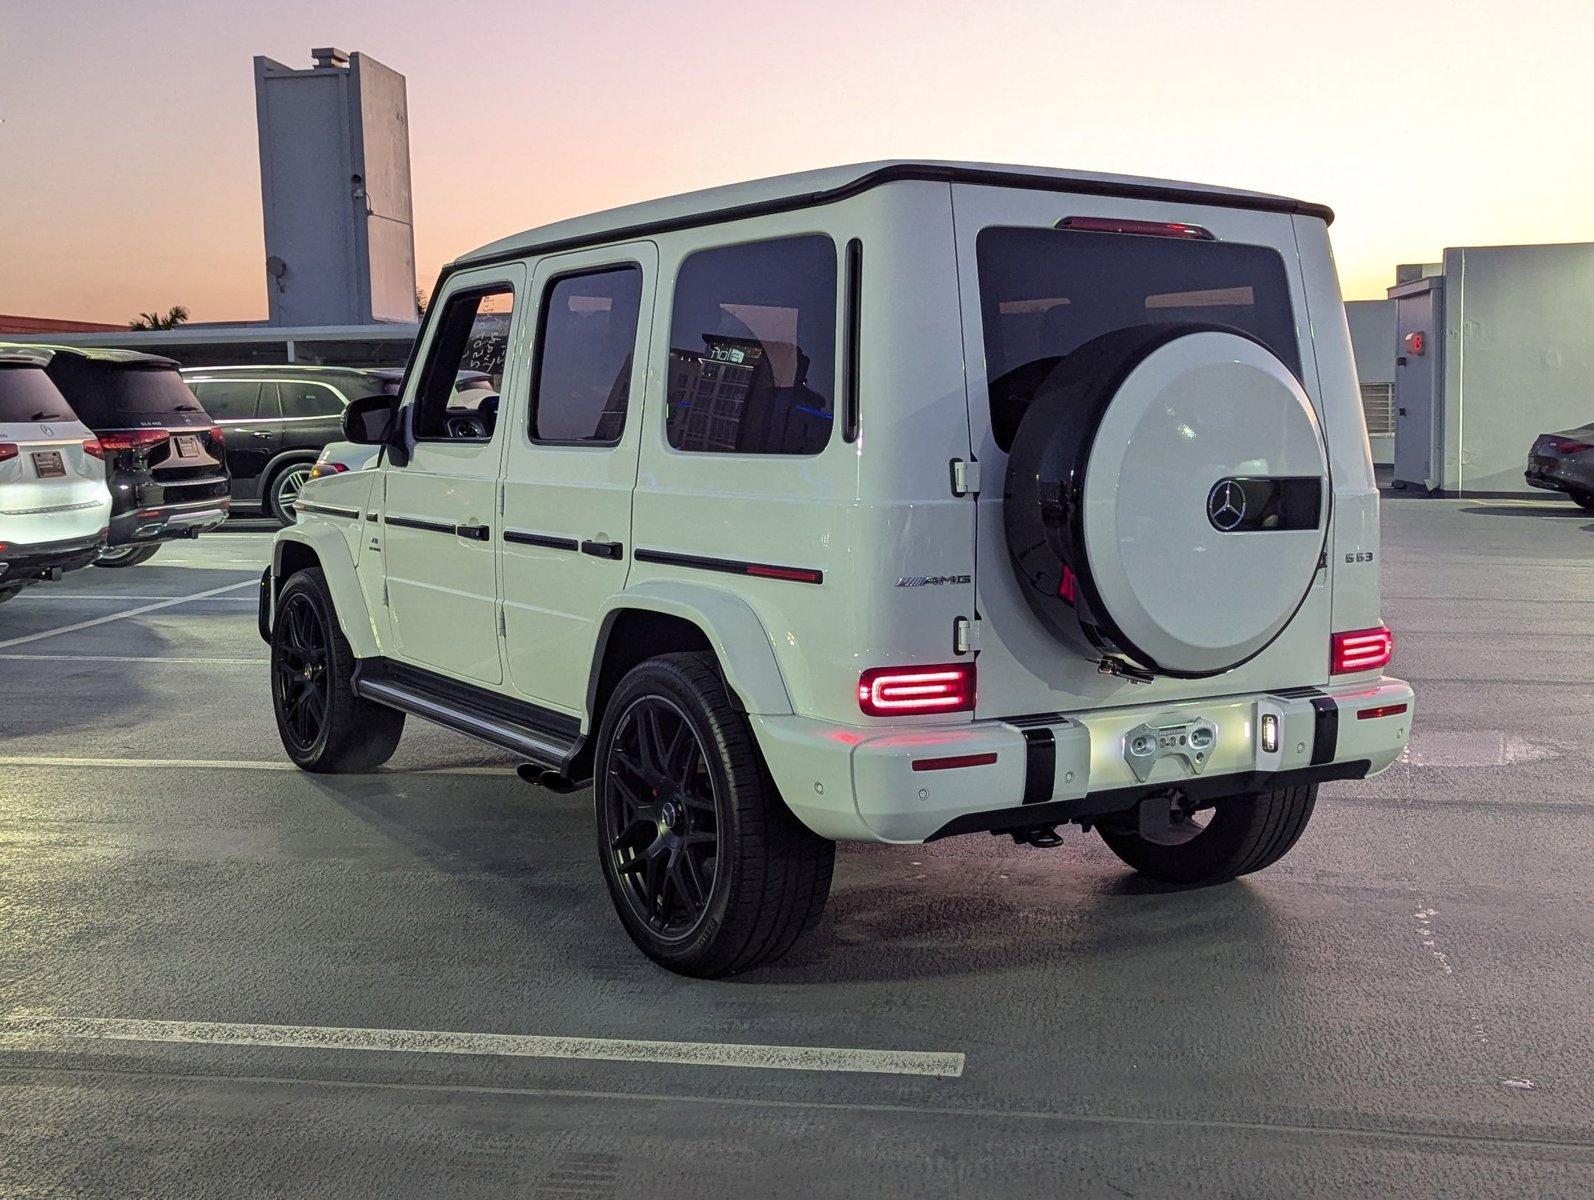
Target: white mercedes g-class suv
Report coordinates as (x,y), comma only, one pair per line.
(880,503)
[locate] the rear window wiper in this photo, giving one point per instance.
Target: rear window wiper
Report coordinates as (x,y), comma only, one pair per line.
(186,408)
(47,416)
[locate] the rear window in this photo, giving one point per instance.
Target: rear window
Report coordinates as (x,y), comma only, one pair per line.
(1046,292)
(104,394)
(26,394)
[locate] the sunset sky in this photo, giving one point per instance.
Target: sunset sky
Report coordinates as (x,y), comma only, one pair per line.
(131,178)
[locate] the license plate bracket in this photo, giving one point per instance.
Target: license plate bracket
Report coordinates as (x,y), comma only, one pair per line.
(47,464)
(1189,741)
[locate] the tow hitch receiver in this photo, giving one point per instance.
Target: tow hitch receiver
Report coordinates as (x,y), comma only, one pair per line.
(1191,741)
(1042,837)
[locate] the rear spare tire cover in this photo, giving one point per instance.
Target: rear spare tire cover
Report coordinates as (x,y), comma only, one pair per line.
(1167,498)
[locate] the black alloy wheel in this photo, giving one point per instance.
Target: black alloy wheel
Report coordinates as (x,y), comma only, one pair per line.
(661,818)
(299,676)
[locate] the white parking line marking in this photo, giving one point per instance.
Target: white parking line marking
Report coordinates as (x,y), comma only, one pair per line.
(128,658)
(510,1045)
(216,764)
(132,612)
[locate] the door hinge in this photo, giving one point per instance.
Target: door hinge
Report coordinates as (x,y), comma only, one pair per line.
(965,477)
(965,635)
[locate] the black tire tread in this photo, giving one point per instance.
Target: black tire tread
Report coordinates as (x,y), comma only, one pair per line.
(785,869)
(363,734)
(1247,833)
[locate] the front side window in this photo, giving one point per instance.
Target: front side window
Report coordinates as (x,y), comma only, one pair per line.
(472,334)
(584,351)
(753,348)
(1044,293)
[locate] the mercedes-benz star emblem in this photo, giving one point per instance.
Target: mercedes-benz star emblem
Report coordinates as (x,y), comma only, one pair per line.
(47,430)
(1226,505)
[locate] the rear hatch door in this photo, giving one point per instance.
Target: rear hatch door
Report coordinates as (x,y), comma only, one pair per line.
(1031,290)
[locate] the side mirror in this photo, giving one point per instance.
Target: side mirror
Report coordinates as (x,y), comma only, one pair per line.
(367,421)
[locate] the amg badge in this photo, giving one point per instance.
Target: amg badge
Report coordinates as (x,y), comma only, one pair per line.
(932,580)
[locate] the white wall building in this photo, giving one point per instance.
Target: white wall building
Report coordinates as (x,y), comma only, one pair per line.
(1494,346)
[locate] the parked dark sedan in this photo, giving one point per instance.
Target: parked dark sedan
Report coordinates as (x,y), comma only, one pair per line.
(277,419)
(1564,462)
(165,463)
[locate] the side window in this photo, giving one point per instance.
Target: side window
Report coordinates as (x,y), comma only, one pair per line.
(585,343)
(753,348)
(308,400)
(472,334)
(228,399)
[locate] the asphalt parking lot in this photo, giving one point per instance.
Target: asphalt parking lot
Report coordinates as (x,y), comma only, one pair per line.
(1402,1006)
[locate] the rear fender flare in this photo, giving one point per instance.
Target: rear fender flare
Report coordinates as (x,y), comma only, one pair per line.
(330,550)
(733,629)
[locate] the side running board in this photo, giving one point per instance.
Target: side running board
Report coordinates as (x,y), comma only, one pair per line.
(550,739)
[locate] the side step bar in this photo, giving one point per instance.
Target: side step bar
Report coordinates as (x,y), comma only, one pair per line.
(550,739)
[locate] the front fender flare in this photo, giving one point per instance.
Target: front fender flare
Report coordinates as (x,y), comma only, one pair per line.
(733,629)
(331,552)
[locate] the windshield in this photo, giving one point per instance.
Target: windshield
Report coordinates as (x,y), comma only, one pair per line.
(26,394)
(1046,292)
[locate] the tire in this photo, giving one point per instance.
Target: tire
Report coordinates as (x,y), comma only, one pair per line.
(324,726)
(1583,499)
(1241,834)
(708,869)
(284,488)
(126,556)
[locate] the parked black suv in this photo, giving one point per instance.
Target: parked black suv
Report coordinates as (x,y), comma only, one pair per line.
(165,462)
(279,418)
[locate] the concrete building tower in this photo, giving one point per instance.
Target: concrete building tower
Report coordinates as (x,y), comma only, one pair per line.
(335,187)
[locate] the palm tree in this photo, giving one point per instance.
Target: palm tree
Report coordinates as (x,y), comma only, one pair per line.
(175,316)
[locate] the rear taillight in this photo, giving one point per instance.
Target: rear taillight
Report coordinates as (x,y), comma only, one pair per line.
(7,450)
(323,469)
(94,448)
(1563,445)
(215,434)
(900,691)
(1362,650)
(132,439)
(1168,229)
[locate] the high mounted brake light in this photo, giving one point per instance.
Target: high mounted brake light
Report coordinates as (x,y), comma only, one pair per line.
(899,691)
(1361,650)
(1167,229)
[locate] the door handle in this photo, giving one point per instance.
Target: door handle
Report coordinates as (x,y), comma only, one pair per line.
(260,433)
(603,549)
(476,533)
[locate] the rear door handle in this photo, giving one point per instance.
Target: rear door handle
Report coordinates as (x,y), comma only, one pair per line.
(603,549)
(476,533)
(260,433)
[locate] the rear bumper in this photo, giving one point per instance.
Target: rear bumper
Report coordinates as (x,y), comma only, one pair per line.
(897,785)
(1559,475)
(41,560)
(162,522)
